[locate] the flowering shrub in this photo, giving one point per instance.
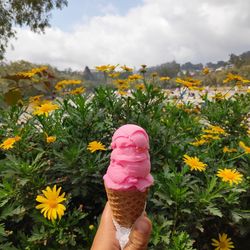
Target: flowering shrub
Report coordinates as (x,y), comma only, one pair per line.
(54,154)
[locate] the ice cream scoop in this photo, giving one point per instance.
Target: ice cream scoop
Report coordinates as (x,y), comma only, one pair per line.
(130,161)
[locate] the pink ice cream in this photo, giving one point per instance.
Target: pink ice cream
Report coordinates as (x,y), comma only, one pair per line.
(130,161)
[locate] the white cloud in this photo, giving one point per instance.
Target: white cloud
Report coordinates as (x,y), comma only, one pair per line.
(153,33)
(107,8)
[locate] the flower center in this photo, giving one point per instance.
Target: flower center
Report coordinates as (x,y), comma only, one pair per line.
(53,203)
(45,109)
(222,245)
(231,176)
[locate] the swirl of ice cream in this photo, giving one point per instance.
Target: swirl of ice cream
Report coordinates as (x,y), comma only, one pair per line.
(130,161)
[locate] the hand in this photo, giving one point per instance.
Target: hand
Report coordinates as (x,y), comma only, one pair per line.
(105,238)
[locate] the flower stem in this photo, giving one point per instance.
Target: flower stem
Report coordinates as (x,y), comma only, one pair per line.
(228,92)
(237,156)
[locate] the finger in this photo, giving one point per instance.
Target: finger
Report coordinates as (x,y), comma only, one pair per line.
(140,234)
(105,236)
(106,219)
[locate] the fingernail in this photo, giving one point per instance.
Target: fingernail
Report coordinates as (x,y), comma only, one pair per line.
(142,225)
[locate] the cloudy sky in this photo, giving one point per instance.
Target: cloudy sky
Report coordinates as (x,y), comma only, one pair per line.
(134,32)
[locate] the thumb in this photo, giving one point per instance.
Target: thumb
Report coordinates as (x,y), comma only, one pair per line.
(140,234)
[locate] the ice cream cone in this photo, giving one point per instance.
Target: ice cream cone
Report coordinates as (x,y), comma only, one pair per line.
(127,205)
(128,178)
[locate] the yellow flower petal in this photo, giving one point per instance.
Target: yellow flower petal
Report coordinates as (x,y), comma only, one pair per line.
(223,243)
(95,145)
(41,199)
(50,203)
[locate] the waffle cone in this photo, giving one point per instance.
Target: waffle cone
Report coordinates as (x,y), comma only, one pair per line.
(127,205)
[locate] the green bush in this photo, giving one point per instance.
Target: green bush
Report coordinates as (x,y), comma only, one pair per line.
(187,208)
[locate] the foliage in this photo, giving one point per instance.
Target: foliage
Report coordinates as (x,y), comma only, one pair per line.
(188,208)
(31,13)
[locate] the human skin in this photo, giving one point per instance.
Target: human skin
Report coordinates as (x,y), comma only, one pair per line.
(105,238)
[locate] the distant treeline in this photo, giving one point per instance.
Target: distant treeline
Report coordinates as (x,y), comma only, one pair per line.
(239,64)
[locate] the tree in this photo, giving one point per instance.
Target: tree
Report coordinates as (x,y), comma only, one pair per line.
(190,66)
(237,61)
(170,69)
(32,13)
(245,57)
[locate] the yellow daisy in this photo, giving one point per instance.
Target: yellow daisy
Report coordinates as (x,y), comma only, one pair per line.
(121,83)
(230,175)
(164,78)
(194,163)
(140,86)
(114,75)
(35,100)
(205,71)
(135,77)
(9,142)
(50,139)
(127,69)
(122,93)
(59,86)
(103,68)
(237,78)
(154,74)
(32,72)
(219,96)
(199,142)
(212,137)
(95,145)
(45,109)
(215,130)
(229,150)
(50,203)
(243,146)
(223,243)
(77,91)
(189,82)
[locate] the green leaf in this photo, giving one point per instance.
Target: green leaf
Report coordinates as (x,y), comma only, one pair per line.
(10,211)
(214,211)
(7,246)
(238,215)
(2,230)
